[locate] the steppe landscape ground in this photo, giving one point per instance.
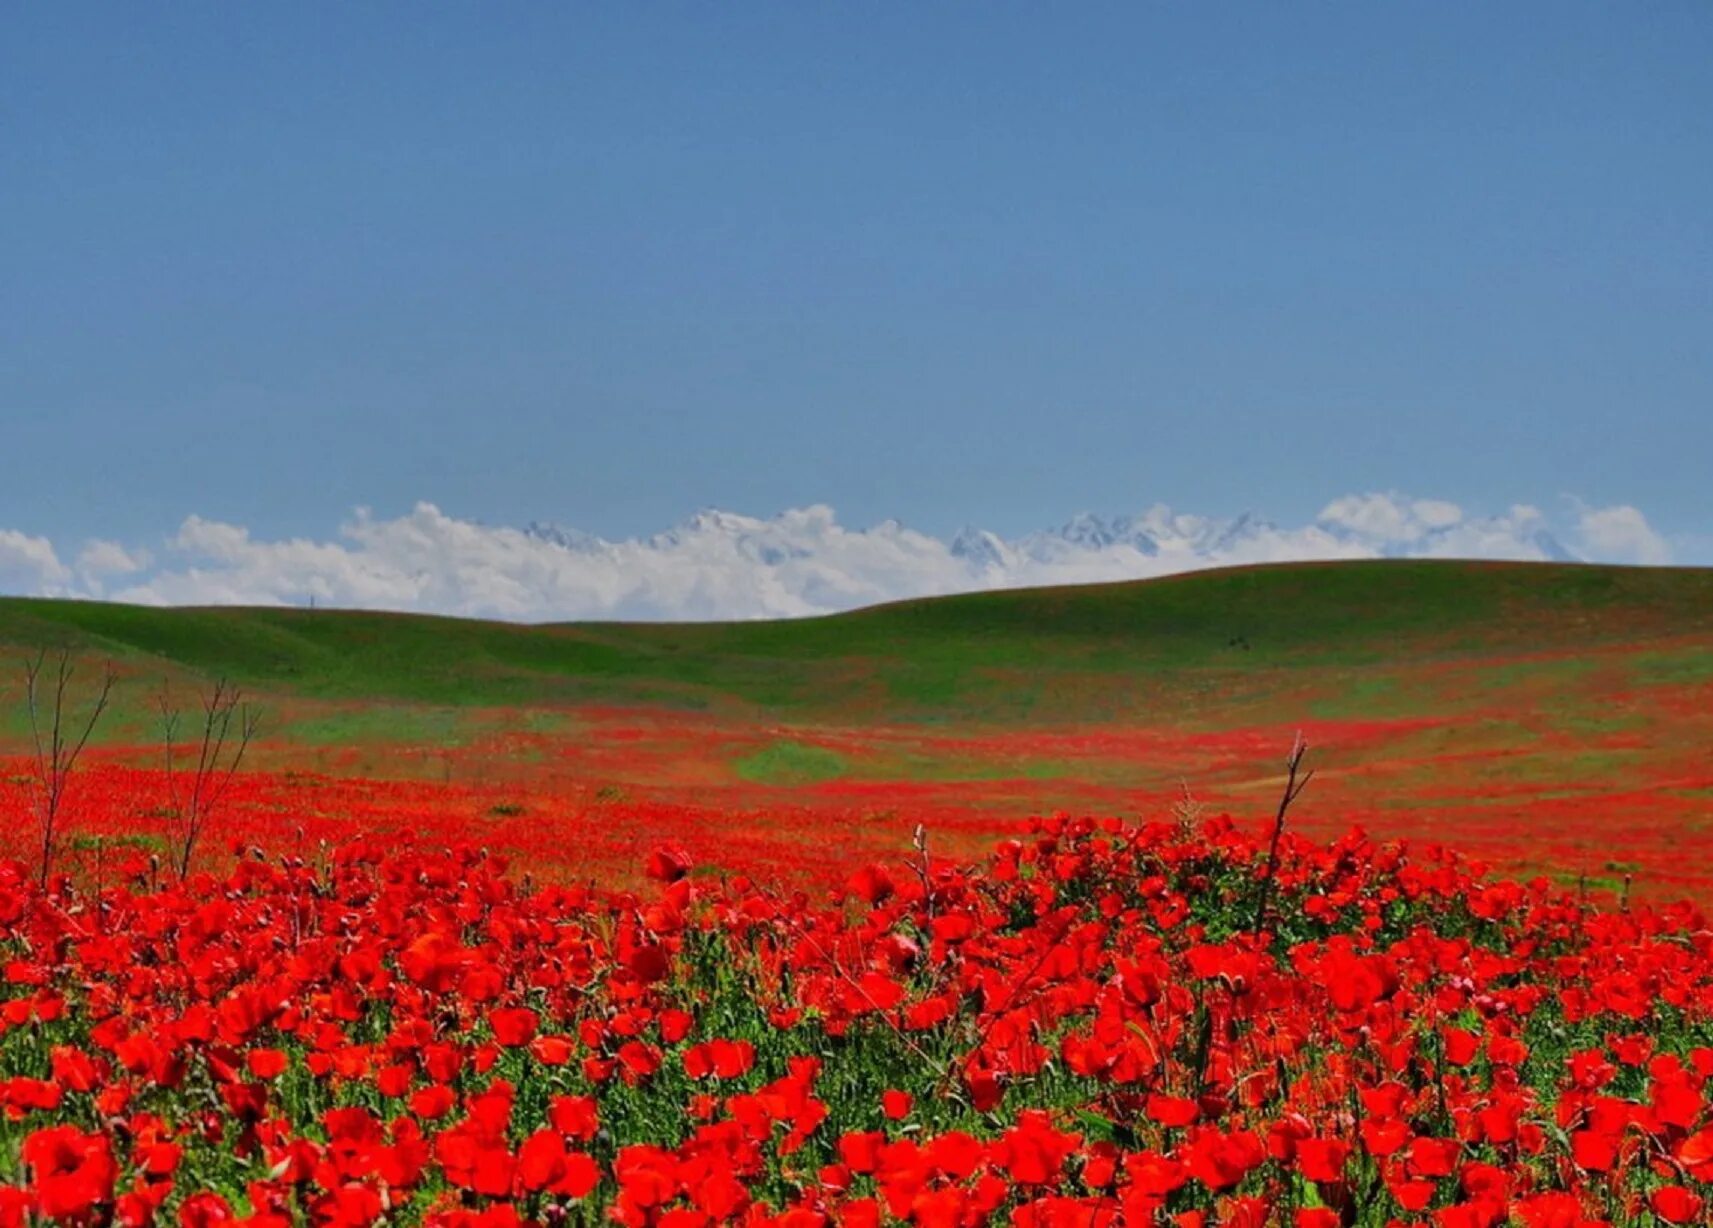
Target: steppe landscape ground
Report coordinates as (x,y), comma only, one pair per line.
(961,910)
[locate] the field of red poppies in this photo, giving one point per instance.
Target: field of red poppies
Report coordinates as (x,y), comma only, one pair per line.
(1095,1023)
(754,926)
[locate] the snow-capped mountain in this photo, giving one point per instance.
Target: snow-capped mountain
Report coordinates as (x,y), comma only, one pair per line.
(804,560)
(980,550)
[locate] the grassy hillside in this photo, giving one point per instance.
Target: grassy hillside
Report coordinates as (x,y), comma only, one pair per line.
(1044,655)
(1549,718)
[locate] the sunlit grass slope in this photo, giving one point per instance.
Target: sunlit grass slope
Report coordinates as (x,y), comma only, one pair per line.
(1065,654)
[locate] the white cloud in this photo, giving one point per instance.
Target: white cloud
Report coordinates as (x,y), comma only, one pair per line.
(30,565)
(1621,534)
(100,561)
(105,558)
(803,561)
(1389,518)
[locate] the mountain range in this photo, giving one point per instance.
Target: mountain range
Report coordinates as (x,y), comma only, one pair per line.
(723,565)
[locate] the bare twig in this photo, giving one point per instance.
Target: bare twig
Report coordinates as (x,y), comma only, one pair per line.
(1186,811)
(1293,788)
(924,869)
(227,727)
(56,746)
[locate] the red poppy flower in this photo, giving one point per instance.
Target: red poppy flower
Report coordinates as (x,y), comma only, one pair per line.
(551,1050)
(1676,1205)
(1322,1160)
(1172,1110)
(1220,1160)
(514,1026)
(71,1172)
(668,865)
(574,1116)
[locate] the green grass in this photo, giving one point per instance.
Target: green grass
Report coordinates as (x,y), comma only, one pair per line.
(791,763)
(350,723)
(424,726)
(1040,655)
(969,769)
(1687,665)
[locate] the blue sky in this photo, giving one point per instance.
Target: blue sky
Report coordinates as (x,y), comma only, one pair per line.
(990,264)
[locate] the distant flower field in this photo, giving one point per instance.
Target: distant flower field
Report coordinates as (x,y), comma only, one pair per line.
(1094,1023)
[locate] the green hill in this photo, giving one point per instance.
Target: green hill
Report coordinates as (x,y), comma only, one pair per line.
(1044,655)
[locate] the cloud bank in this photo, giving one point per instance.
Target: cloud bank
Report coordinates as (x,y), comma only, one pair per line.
(720,565)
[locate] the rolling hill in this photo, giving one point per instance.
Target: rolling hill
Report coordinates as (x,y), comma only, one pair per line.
(1052,655)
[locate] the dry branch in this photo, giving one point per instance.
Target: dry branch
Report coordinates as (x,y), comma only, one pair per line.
(56,747)
(226,728)
(1293,788)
